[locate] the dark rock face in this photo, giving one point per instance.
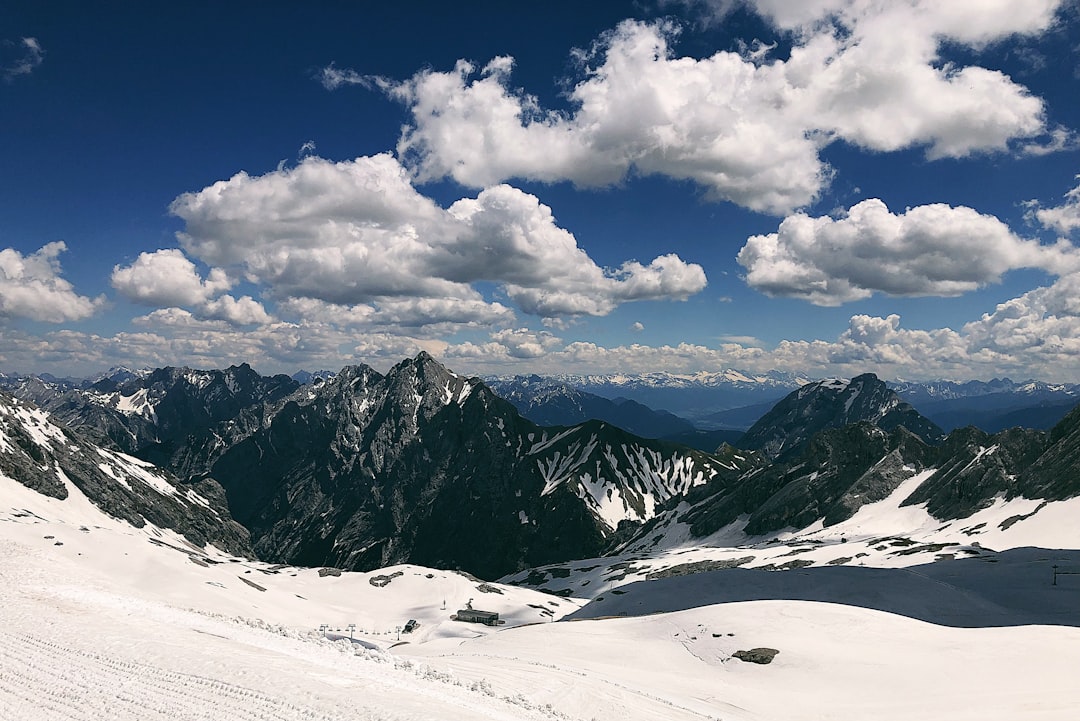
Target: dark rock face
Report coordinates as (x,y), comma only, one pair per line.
(429,467)
(359,470)
(1055,475)
(784,431)
(840,470)
(40,454)
(974,467)
(172,417)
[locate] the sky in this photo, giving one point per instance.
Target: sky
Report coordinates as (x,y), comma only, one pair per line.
(827,188)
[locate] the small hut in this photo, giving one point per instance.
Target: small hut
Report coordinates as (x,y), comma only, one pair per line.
(473,615)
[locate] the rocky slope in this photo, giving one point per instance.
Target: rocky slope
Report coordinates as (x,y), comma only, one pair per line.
(839,470)
(426,466)
(52,459)
(788,427)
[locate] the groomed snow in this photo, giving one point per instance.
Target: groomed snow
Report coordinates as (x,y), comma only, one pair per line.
(104,621)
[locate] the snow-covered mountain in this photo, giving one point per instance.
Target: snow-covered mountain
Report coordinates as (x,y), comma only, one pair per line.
(690,395)
(827,480)
(172,417)
(921,391)
(426,466)
(362,470)
(991,406)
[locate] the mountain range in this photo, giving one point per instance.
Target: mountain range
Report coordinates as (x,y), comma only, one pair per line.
(360,470)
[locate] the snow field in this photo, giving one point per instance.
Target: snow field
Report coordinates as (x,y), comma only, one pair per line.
(120,623)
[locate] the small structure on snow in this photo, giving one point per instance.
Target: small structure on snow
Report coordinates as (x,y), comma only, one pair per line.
(475,615)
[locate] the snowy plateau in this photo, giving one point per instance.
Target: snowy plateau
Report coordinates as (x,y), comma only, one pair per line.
(889,613)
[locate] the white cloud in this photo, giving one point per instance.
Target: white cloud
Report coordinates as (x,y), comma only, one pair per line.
(358,233)
(404,314)
(747,129)
(1042,325)
(19,58)
(1064,218)
(927,250)
(712,121)
(244,310)
(974,25)
(168,278)
(1034,335)
(31,287)
(333,77)
(513,238)
(637,326)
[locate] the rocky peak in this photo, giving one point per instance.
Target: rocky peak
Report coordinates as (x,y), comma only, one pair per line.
(834,403)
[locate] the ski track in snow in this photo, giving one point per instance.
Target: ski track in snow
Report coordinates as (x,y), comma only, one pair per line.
(69,683)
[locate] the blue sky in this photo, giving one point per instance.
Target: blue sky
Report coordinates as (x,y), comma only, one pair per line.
(828,187)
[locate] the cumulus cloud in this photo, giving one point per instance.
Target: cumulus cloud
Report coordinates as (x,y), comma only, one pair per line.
(168,278)
(927,250)
(175,336)
(244,310)
(1064,218)
(1042,324)
(1036,334)
(414,314)
(358,233)
(747,128)
(19,57)
(31,287)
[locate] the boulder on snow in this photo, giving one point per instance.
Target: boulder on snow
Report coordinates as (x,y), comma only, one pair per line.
(756,655)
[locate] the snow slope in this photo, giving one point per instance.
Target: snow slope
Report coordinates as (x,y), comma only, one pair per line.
(123,623)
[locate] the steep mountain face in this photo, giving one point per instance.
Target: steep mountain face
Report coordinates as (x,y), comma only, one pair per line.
(973,467)
(52,459)
(426,466)
(551,403)
(172,417)
(785,430)
(1055,474)
(976,467)
(840,470)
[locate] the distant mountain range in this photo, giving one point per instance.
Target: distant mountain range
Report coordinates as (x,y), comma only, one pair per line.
(550,402)
(359,469)
(991,406)
(734,401)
